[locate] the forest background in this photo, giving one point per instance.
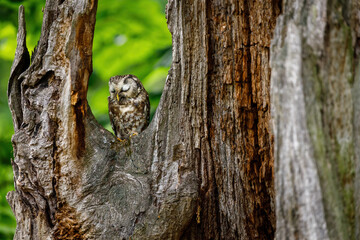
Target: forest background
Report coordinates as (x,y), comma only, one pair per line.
(130,37)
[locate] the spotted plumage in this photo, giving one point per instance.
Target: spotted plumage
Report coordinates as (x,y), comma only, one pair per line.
(129,106)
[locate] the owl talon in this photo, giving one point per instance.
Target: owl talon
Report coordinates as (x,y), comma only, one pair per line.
(122,140)
(132,135)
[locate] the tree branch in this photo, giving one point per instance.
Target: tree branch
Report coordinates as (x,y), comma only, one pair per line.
(20,64)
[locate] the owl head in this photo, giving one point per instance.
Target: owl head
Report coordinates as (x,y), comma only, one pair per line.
(124,86)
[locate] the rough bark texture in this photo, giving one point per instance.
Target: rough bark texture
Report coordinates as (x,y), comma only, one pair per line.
(315,107)
(73,179)
(202,170)
(225,84)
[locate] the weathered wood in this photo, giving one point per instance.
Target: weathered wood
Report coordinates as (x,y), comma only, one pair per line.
(73,179)
(21,62)
(221,55)
(314,96)
(204,167)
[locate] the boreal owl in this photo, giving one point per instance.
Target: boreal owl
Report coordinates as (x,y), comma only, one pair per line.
(129,106)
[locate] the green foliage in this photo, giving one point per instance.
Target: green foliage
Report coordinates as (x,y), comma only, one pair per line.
(130,37)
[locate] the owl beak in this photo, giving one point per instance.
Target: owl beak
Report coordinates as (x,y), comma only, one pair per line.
(117,97)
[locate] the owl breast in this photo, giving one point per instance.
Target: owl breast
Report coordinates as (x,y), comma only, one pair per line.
(126,109)
(128,119)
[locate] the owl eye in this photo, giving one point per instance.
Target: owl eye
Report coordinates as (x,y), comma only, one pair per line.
(112,91)
(125,88)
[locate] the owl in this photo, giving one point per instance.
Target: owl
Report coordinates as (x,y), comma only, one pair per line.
(129,106)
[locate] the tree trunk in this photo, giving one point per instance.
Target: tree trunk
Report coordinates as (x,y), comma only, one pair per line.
(221,66)
(204,167)
(315,106)
(202,170)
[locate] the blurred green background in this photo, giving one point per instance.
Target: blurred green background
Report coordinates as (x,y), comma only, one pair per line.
(131,36)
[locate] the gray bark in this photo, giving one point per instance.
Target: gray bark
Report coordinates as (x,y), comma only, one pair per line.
(73,179)
(315,110)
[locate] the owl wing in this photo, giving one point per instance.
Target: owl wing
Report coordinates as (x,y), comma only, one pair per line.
(111,116)
(147,110)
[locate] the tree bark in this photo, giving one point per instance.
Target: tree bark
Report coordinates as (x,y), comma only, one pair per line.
(221,57)
(202,170)
(315,108)
(204,167)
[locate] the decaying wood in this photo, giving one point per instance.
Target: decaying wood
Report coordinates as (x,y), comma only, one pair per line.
(314,91)
(202,170)
(73,179)
(225,84)
(21,62)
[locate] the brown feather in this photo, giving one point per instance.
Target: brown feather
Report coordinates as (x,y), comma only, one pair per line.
(129,115)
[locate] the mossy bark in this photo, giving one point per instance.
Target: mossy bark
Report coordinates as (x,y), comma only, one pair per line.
(314,99)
